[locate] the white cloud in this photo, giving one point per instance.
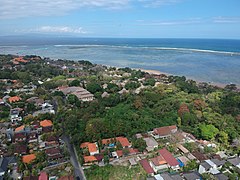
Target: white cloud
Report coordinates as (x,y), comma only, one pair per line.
(226,19)
(170,23)
(157,3)
(59,29)
(10,9)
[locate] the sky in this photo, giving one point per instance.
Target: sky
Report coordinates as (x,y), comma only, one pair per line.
(122,18)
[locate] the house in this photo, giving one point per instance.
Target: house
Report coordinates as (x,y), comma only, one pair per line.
(164,132)
(111,142)
(47,125)
(132,162)
(183,159)
(88,160)
(158,163)
(5,162)
(32,137)
(146,166)
(151,143)
(99,157)
(192,176)
(210,166)
(199,156)
(80,92)
(53,153)
(92,147)
(36,101)
(235,162)
(15,115)
(124,142)
(14,99)
(171,161)
(182,149)
(27,159)
(20,149)
(221,176)
(52,141)
(20,137)
(20,129)
(43,176)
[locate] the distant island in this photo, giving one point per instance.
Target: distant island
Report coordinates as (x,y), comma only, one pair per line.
(114,123)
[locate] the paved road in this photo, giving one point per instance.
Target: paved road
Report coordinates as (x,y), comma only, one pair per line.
(5,98)
(78,171)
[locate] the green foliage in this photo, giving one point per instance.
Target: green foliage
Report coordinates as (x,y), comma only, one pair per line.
(208,132)
(140,144)
(94,87)
(132,85)
(74,83)
(191,165)
(149,82)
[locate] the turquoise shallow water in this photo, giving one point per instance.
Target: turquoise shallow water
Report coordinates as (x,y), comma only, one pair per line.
(216,61)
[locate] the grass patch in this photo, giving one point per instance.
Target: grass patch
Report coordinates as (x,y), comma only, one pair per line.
(115,173)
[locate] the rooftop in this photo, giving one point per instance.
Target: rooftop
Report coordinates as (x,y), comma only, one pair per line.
(168,157)
(28,158)
(46,123)
(146,166)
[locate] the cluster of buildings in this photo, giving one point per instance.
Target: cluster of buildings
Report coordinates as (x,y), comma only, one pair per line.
(158,162)
(81,93)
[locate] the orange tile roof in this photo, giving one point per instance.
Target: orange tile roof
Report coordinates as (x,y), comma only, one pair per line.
(46,123)
(84,145)
(107,141)
(119,153)
(20,59)
(124,141)
(89,159)
(14,99)
(92,147)
(20,128)
(28,158)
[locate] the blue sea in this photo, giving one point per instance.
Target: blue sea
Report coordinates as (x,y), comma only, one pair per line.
(209,60)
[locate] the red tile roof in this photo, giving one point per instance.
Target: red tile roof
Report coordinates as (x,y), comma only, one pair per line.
(168,157)
(159,160)
(20,128)
(89,159)
(146,166)
(92,147)
(124,141)
(43,176)
(14,99)
(46,123)
(166,130)
(28,158)
(119,153)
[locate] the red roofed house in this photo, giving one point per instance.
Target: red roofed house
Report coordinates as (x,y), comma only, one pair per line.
(92,147)
(124,142)
(164,132)
(169,158)
(14,99)
(146,166)
(46,125)
(158,163)
(43,176)
(112,142)
(89,160)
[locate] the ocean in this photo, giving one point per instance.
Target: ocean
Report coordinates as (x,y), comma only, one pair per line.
(210,60)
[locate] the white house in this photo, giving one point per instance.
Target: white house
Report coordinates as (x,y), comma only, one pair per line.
(151,143)
(210,166)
